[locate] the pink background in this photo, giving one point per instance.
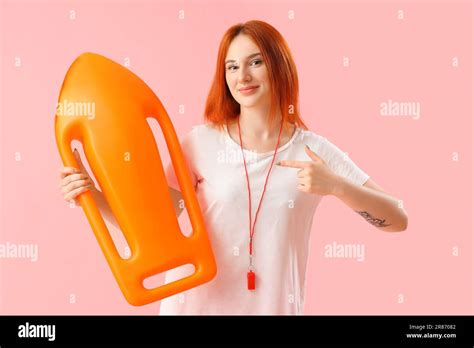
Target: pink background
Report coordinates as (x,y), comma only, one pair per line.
(406,59)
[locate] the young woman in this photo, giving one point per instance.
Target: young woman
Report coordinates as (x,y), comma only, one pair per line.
(259,175)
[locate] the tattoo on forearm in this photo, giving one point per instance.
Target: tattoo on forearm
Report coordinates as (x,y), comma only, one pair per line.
(374,221)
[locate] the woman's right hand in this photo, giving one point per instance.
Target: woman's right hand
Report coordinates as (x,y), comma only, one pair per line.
(74,181)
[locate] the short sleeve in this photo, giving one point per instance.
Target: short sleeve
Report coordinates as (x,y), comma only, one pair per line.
(339,162)
(187,147)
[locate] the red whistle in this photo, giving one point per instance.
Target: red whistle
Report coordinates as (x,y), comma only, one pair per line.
(251,280)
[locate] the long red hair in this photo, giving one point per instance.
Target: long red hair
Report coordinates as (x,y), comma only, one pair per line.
(221,106)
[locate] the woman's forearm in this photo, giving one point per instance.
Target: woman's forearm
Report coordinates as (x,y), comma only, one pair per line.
(177,199)
(109,216)
(104,207)
(378,208)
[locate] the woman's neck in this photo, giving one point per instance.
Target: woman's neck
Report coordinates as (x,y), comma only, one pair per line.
(253,140)
(258,127)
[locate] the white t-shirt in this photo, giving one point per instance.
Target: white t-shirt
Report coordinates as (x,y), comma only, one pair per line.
(282,232)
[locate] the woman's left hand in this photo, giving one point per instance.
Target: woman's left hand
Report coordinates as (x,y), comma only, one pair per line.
(314,176)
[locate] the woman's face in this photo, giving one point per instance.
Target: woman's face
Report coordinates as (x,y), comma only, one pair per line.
(244,67)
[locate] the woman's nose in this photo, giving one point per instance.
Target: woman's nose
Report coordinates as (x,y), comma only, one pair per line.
(244,75)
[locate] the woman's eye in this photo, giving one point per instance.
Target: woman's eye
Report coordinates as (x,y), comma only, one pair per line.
(258,61)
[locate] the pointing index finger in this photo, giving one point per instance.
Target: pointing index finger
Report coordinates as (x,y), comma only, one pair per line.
(293,164)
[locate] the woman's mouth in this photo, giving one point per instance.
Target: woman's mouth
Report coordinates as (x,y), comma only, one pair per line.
(248,90)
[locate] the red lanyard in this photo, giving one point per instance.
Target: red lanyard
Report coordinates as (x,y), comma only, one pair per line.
(250,273)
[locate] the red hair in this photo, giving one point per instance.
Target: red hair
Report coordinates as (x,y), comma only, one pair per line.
(220,104)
